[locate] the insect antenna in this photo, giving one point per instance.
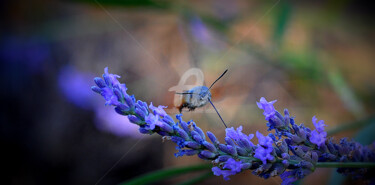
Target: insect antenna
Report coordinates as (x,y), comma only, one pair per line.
(218,78)
(185,93)
(217,111)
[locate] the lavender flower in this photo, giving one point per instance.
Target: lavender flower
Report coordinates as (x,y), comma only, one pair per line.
(265,148)
(292,152)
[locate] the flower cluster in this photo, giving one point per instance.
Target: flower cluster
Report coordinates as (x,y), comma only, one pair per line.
(292,152)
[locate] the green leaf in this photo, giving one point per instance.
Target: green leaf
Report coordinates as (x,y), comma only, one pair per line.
(165,174)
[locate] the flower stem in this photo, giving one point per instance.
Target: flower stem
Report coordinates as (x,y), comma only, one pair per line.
(165,174)
(345,165)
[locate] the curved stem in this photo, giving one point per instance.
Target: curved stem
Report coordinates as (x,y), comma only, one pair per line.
(165,174)
(345,165)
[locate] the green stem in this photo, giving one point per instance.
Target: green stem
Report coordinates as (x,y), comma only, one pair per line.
(165,173)
(345,165)
(197,179)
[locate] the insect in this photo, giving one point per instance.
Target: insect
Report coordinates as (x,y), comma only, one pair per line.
(198,97)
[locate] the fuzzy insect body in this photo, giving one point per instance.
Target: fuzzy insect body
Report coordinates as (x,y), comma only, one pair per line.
(198,97)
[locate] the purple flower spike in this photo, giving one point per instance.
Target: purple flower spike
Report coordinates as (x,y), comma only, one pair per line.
(292,151)
(268,108)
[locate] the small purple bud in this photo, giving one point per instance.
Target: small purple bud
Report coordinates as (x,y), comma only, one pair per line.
(192,144)
(241,151)
(209,146)
(223,158)
(285,156)
(96,89)
(229,141)
(140,113)
(199,130)
(286,117)
(168,120)
(134,119)
(118,94)
(283,147)
(182,134)
(314,157)
(129,100)
(165,127)
(100,82)
(207,154)
(285,163)
(212,137)
(232,150)
(144,131)
(244,143)
(197,137)
(185,126)
(296,139)
(245,166)
(224,148)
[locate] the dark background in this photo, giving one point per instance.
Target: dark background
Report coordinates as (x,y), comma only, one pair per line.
(315,58)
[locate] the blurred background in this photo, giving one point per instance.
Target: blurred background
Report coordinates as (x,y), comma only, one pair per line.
(314,57)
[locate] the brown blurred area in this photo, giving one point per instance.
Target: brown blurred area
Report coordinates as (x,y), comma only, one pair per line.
(315,58)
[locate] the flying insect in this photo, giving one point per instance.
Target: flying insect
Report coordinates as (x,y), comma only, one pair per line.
(198,97)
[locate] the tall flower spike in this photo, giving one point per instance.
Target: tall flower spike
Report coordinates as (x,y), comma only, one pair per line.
(292,156)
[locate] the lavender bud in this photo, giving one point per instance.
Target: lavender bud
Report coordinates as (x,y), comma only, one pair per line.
(196,136)
(298,151)
(232,150)
(306,164)
(286,117)
(223,158)
(140,113)
(191,152)
(245,166)
(168,120)
(285,163)
(224,148)
(199,130)
(244,143)
(96,89)
(182,134)
(283,147)
(278,169)
(100,82)
(207,154)
(209,146)
(212,137)
(123,108)
(241,151)
(192,144)
(117,94)
(229,141)
(184,126)
(144,131)
(165,127)
(296,139)
(134,119)
(129,101)
(314,157)
(285,156)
